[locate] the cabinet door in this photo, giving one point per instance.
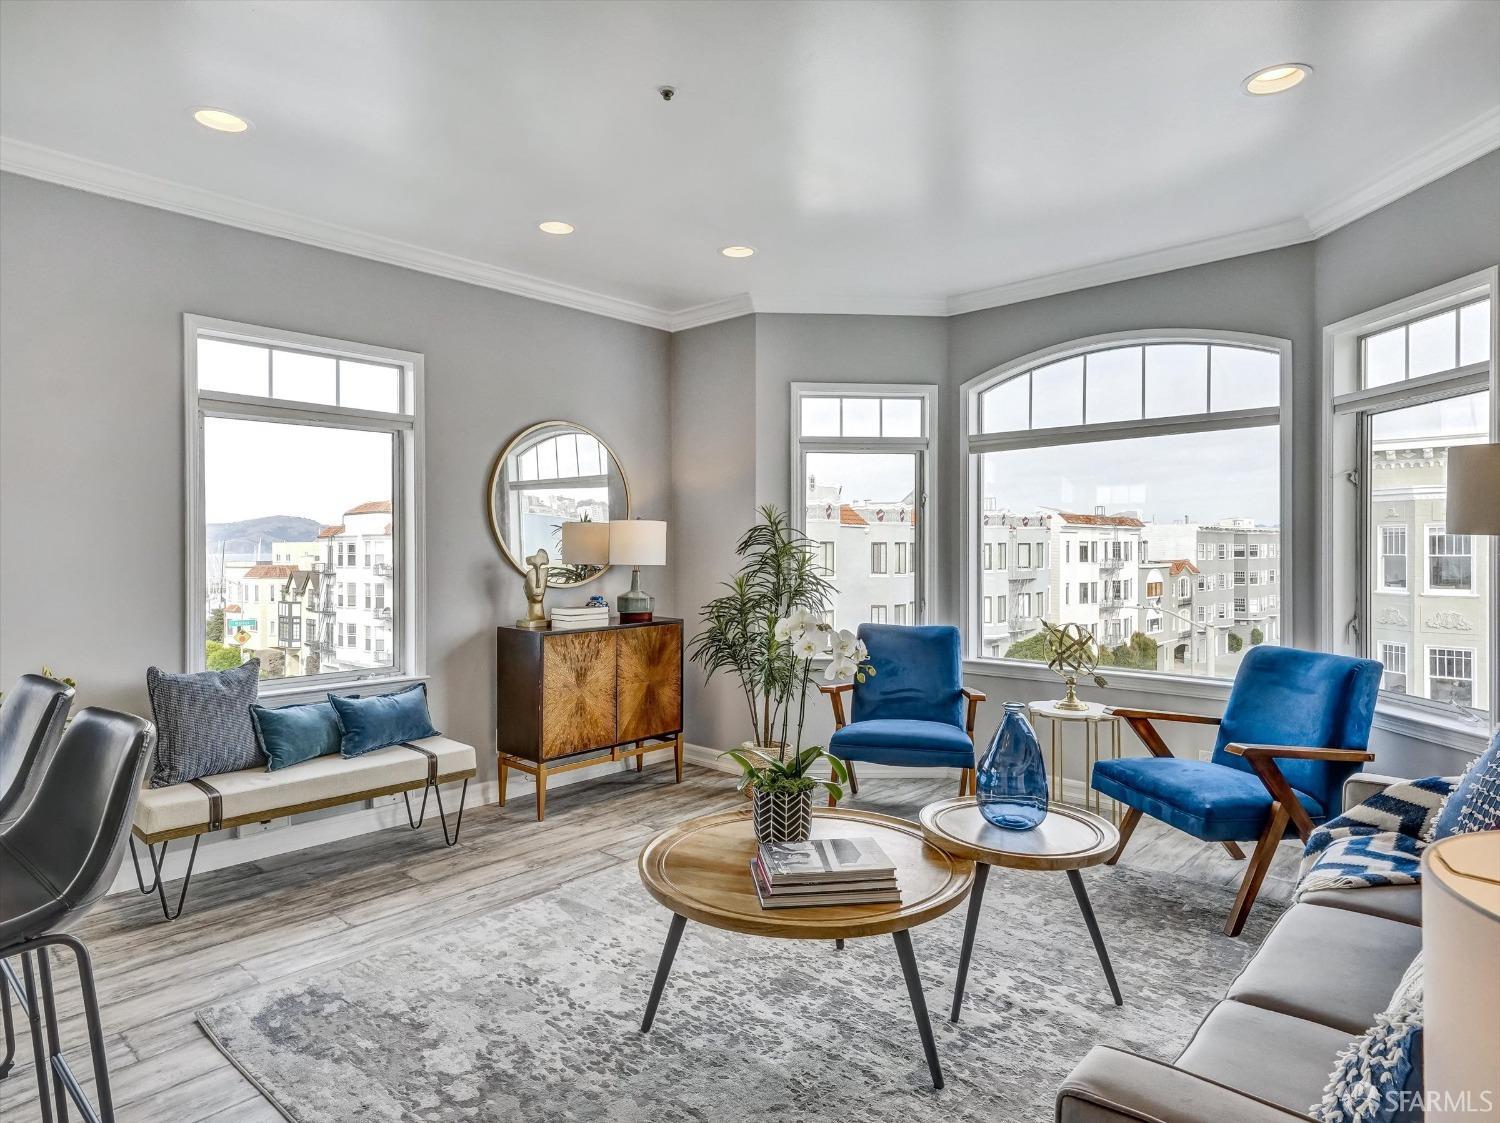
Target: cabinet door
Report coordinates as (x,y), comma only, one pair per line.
(578,693)
(650,670)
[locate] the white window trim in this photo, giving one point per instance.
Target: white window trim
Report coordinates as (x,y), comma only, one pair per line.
(410,641)
(1428,530)
(1340,521)
(1381,555)
(924,559)
(1157,682)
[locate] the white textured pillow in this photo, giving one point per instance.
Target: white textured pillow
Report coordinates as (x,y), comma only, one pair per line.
(1373,1071)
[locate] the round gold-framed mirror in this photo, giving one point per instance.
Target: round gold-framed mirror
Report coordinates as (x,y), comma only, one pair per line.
(551,474)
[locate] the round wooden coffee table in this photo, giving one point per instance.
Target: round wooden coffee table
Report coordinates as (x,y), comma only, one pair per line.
(1068,839)
(700,870)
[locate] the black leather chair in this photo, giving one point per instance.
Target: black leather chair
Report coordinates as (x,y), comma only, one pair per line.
(31,723)
(58,857)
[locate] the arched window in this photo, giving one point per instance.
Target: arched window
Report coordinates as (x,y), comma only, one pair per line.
(1140,478)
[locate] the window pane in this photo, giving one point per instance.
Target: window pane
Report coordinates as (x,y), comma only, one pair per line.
(1127,528)
(1006,408)
(299,565)
(1474,333)
(860,512)
(303,378)
(1176,379)
(1433,344)
(820,417)
(901,417)
(1385,358)
(371,386)
(1243,379)
(1430,599)
(1114,385)
(861,417)
(1057,394)
(233,368)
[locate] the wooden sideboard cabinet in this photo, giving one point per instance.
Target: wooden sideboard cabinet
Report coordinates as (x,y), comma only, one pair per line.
(569,699)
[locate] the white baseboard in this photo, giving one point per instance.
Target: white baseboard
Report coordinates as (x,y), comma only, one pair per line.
(224,849)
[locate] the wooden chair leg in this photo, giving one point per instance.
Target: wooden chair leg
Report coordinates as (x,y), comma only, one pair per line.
(853,779)
(1255,872)
(1127,828)
(1234,851)
(541,794)
(504,776)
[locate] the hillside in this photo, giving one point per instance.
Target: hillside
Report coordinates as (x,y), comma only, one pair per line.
(243,536)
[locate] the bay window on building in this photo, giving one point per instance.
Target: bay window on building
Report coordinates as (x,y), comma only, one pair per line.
(1140,475)
(1406,383)
(861,457)
(303,459)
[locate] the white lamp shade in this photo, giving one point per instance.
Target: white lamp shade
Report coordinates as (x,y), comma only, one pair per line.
(637,542)
(585,543)
(1473,489)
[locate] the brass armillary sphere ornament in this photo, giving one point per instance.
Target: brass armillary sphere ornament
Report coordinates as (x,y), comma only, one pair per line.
(1074,656)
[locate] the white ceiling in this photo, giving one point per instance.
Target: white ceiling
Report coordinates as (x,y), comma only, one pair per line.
(882,157)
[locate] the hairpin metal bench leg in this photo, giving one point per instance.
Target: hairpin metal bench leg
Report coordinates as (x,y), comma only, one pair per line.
(157,862)
(140,882)
(422,812)
(443,818)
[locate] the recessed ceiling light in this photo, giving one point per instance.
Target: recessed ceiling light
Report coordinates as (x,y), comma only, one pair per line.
(556,227)
(220,120)
(1275,79)
(738,251)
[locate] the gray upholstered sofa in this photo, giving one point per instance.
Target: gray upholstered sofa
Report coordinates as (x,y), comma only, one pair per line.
(1265,1051)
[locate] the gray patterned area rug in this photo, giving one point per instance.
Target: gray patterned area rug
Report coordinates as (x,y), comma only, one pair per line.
(533,1012)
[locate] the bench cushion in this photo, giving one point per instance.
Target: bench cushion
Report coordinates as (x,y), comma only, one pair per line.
(327,779)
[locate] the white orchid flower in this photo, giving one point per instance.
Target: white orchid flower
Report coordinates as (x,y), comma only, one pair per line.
(845,644)
(839,669)
(783,628)
(805,647)
(799,619)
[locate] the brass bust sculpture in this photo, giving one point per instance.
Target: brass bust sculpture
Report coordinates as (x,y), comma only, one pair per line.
(537,567)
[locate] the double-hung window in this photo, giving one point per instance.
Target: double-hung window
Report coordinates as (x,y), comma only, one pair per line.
(861,456)
(1403,385)
(306,450)
(1143,449)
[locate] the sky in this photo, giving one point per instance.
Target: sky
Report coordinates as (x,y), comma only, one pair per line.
(255,468)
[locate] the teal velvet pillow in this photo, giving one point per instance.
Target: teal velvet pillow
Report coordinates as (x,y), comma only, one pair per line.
(373,723)
(289,735)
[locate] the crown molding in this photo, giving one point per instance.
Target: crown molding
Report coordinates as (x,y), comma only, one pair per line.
(731,307)
(48,164)
(1129,268)
(807,305)
(1449,153)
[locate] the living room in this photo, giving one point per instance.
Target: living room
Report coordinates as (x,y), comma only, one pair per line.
(1104,442)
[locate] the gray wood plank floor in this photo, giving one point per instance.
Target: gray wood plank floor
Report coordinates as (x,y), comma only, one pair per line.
(270,919)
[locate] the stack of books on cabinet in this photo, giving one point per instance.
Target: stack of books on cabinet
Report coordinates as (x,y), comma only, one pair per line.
(568,617)
(822,872)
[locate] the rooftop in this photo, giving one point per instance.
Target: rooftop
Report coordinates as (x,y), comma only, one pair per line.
(1098,520)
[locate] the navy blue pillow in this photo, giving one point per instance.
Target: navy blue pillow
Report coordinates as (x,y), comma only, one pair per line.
(383,719)
(289,735)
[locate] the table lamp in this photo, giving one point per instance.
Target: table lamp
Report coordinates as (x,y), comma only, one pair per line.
(1473,489)
(585,543)
(637,542)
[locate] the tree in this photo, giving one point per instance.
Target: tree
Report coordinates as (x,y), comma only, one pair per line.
(1139,654)
(215,632)
(220,657)
(1235,642)
(1033,648)
(1257,637)
(272,663)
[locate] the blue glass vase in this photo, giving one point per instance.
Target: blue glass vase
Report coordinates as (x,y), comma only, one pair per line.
(1012,781)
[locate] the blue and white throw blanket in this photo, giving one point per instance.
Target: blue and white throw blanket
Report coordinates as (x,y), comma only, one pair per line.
(1379,842)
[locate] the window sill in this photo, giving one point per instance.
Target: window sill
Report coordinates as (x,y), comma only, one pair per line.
(1433,726)
(1143,682)
(309,692)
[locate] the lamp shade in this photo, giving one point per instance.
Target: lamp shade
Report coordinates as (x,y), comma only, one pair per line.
(585,543)
(637,542)
(1473,489)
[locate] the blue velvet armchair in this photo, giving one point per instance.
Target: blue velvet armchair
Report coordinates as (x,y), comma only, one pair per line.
(1295,728)
(912,710)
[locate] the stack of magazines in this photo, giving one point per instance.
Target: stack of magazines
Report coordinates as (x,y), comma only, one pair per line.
(565,617)
(824,871)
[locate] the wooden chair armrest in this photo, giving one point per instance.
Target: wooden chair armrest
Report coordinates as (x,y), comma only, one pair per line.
(1299,752)
(973,695)
(835,692)
(974,698)
(834,687)
(1130,713)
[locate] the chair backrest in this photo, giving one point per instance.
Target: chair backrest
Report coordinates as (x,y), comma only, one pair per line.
(1285,696)
(74,829)
(918,674)
(31,724)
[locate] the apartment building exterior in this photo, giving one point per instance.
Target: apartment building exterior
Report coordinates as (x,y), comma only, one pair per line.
(1016,579)
(867,549)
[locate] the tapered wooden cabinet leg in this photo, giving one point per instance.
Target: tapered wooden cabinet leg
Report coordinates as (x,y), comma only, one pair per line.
(1255,872)
(504,776)
(1127,827)
(541,794)
(640,760)
(677,758)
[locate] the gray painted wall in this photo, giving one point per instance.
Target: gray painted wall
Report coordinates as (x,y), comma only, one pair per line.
(92,292)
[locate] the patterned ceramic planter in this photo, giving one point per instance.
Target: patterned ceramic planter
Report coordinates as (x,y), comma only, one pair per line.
(782,816)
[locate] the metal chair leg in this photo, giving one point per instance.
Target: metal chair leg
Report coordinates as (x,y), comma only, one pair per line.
(54,1039)
(10,1025)
(38,1051)
(65,1085)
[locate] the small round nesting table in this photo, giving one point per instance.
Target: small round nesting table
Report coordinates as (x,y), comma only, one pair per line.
(700,870)
(1067,839)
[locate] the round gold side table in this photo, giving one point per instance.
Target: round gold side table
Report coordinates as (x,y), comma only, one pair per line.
(1092,718)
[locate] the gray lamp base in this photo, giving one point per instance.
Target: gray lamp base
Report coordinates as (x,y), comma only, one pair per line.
(634,604)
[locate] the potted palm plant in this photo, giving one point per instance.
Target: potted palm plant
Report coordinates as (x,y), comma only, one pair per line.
(767,629)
